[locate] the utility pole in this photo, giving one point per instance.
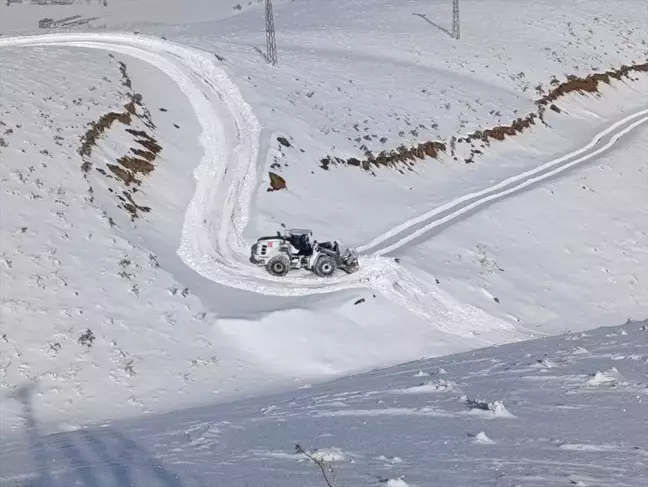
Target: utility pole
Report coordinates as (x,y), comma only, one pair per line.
(271,43)
(455,19)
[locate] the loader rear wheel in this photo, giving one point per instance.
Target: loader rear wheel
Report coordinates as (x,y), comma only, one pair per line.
(325,266)
(278,266)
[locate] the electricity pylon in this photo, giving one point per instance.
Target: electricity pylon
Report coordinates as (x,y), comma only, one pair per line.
(271,43)
(455,19)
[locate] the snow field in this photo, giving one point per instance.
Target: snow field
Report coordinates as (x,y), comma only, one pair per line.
(155,229)
(363,71)
(92,309)
(244,335)
(575,246)
(519,414)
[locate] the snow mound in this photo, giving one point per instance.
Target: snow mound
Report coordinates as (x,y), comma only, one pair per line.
(399,482)
(481,439)
(492,410)
(428,387)
(545,363)
(390,460)
(608,377)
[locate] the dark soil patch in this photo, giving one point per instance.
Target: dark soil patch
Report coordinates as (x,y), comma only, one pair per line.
(276,182)
(132,207)
(126,81)
(126,176)
(137,133)
(283,141)
(591,83)
(129,169)
(150,144)
(130,107)
(136,165)
(401,156)
(148,155)
(502,131)
(98,128)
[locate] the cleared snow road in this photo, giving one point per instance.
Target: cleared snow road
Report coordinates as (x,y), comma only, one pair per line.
(212,243)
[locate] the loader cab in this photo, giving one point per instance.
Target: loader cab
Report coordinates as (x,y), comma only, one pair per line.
(300,240)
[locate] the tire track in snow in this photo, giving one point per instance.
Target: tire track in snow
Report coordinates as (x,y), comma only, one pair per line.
(416,227)
(212,242)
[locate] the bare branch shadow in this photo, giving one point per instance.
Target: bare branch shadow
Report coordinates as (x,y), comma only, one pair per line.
(442,29)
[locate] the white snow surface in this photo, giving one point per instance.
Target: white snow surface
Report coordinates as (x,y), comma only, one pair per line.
(492,252)
(561,428)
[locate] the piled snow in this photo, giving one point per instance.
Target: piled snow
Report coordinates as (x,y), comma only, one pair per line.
(491,410)
(564,431)
(482,439)
(396,483)
(609,377)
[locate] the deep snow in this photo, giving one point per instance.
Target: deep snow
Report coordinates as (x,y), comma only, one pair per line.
(567,410)
(167,337)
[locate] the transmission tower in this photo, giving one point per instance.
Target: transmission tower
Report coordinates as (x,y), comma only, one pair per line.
(271,43)
(455,19)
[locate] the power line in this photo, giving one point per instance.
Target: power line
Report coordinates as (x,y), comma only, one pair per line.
(271,42)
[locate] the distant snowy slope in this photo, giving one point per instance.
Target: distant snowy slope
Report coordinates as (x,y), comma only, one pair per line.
(19,16)
(569,410)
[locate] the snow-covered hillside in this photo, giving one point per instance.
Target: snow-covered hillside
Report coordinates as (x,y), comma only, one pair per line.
(135,173)
(568,410)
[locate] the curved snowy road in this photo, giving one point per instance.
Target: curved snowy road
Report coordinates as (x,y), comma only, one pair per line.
(212,242)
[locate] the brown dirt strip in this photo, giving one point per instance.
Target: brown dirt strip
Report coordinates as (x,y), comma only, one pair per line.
(409,155)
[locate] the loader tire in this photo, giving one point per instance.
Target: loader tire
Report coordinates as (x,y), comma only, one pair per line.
(278,266)
(325,266)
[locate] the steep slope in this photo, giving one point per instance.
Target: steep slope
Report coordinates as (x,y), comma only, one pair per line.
(349,70)
(95,301)
(569,410)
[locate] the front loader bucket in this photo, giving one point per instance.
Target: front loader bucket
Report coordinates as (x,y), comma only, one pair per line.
(350,262)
